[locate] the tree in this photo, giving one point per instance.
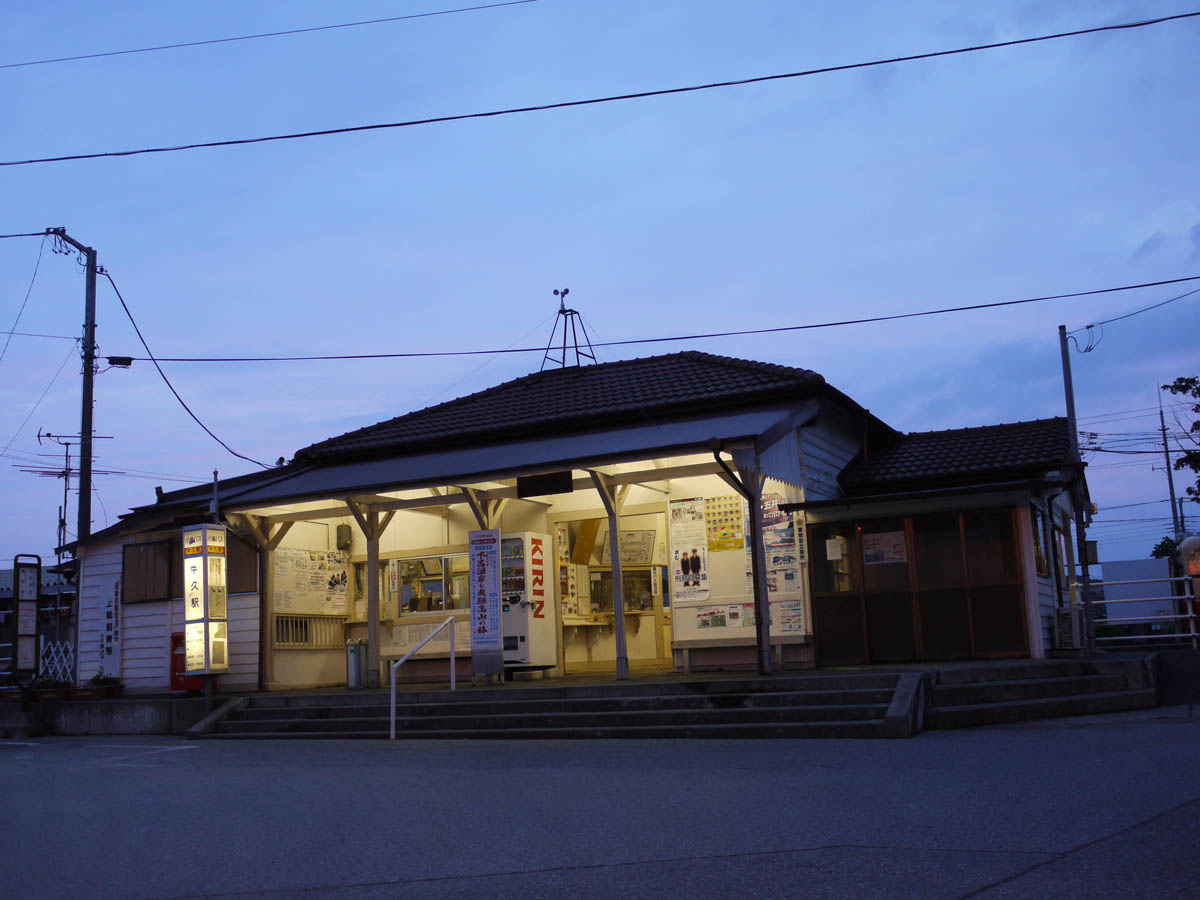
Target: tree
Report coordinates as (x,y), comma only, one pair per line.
(1189,387)
(1165,549)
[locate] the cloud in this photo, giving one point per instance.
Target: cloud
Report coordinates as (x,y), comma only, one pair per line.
(1155,242)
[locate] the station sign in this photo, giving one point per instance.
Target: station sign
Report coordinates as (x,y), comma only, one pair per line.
(205,599)
(27,589)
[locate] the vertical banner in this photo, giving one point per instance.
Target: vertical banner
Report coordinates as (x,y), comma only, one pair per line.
(205,603)
(689,550)
(487,657)
(110,635)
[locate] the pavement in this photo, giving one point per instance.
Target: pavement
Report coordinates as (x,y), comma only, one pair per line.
(1096,807)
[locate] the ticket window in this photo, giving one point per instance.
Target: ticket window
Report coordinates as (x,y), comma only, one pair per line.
(431,584)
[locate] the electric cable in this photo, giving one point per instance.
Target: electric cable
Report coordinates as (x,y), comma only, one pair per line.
(24,234)
(20,312)
(167,381)
(1128,315)
(59,337)
(266,34)
(612,98)
(675,338)
(21,427)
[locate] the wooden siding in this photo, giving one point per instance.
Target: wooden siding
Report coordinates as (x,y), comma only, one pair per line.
(826,448)
(100,572)
(146,650)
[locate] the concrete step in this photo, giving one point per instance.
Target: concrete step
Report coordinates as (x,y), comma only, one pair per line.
(1011,671)
(832,729)
(866,681)
(533,705)
(1044,708)
(1024,689)
(562,720)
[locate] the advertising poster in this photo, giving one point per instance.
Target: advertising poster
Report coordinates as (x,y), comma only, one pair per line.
(790,616)
(312,581)
(689,550)
(884,547)
(484,553)
(781,547)
(725,522)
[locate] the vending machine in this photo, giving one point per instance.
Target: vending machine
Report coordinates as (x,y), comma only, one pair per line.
(527,596)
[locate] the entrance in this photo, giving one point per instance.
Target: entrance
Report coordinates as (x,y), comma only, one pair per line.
(585,589)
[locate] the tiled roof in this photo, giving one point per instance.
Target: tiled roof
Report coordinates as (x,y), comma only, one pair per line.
(961,454)
(657,387)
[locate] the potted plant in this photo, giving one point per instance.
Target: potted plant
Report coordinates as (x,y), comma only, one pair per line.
(50,688)
(108,685)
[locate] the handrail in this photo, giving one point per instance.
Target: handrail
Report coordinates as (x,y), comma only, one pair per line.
(398,663)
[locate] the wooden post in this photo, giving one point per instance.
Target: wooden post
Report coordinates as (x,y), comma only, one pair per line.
(752,484)
(612,506)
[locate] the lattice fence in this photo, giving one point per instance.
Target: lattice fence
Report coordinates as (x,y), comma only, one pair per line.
(58,660)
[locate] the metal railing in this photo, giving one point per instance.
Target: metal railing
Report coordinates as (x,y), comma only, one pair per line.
(402,660)
(1187,601)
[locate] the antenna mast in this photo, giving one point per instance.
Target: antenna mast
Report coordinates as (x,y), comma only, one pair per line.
(571,319)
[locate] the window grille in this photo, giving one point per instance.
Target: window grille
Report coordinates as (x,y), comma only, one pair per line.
(309,632)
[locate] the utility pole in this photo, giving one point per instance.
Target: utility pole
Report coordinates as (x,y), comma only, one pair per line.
(84,527)
(1077,493)
(1175,515)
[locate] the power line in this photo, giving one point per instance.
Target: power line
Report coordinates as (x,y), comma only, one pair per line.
(613,98)
(675,338)
(61,337)
(266,34)
(1136,312)
(168,381)
(24,234)
(37,265)
(21,427)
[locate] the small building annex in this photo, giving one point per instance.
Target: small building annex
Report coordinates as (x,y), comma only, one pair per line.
(623,492)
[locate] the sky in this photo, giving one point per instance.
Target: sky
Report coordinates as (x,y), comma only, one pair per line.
(1050,168)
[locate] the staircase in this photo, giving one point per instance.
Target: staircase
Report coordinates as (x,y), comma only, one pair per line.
(987,695)
(850,705)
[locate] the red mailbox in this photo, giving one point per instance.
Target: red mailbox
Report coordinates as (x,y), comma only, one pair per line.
(180,680)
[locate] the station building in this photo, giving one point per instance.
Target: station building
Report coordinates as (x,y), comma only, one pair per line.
(680,512)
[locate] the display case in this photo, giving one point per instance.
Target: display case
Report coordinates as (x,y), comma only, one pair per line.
(641,589)
(526,614)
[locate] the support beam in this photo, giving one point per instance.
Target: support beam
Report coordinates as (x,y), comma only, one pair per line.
(368,522)
(268,537)
(749,483)
(612,506)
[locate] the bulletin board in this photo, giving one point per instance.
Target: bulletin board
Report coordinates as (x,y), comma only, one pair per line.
(311,582)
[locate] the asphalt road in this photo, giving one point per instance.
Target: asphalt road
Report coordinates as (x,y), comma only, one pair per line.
(1103,806)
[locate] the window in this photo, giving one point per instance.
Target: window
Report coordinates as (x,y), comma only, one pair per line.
(153,570)
(430,584)
(1037,521)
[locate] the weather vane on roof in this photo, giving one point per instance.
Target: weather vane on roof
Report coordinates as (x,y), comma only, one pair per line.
(569,319)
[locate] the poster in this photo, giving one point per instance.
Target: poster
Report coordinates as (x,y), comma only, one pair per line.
(789,614)
(725,522)
(884,547)
(711,617)
(484,556)
(781,548)
(637,548)
(689,550)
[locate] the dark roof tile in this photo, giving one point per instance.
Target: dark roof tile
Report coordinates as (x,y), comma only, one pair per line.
(960,453)
(576,397)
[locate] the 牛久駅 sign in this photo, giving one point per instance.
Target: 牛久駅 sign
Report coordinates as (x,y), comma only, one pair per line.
(205,605)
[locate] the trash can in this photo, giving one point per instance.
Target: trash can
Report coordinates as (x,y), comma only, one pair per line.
(356,664)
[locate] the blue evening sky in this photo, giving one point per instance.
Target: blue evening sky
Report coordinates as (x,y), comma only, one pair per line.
(1055,167)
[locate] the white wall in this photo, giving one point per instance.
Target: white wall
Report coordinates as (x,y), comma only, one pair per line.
(100,576)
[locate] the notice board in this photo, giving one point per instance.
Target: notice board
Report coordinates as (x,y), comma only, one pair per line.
(311,582)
